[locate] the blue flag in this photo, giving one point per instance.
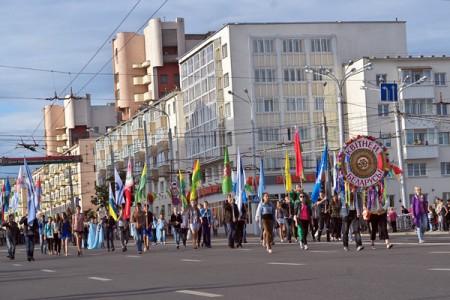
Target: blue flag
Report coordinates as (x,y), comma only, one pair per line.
(240,182)
(119,187)
(31,194)
(262,182)
(323,167)
(7,194)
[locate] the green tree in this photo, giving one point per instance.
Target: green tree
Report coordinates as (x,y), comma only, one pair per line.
(101,196)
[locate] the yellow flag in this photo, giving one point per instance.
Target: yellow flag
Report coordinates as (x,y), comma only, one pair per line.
(287,173)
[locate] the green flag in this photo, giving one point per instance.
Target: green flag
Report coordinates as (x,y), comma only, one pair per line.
(141,189)
(227,185)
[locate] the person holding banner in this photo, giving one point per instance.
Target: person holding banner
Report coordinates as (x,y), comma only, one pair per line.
(29,232)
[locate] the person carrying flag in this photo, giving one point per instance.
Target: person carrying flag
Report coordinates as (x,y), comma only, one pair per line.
(29,232)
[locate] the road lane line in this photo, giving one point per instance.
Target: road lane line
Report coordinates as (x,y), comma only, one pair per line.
(48,271)
(133,256)
(196,293)
(191,260)
(99,278)
(285,264)
(17,265)
(323,251)
(438,269)
(440,252)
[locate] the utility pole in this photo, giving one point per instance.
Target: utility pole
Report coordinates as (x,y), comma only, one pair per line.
(144,123)
(325,141)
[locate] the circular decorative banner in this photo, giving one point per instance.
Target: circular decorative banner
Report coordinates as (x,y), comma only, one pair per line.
(363,161)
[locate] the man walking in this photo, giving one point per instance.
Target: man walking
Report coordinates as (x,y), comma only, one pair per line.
(231,214)
(138,219)
(29,232)
(206,217)
(11,232)
(42,240)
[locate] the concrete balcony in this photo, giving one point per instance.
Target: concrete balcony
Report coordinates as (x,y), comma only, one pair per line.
(61,137)
(145,64)
(421,151)
(147,79)
(424,91)
(147,96)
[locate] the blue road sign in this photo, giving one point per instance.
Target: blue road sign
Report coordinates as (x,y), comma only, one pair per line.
(389,92)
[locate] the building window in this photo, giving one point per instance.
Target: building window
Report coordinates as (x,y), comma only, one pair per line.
(267,105)
(417,170)
(321,45)
(443,138)
(226,80)
(263,46)
(439,79)
(421,136)
(419,106)
(176,79)
(441,108)
(445,168)
(385,139)
(227,110)
(268,135)
(229,138)
(163,78)
(381,78)
(294,74)
(224,50)
(292,45)
(319,103)
(296,104)
(264,75)
(383,110)
(302,133)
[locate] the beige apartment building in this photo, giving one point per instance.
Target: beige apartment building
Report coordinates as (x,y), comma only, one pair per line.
(68,131)
(145,65)
(164,157)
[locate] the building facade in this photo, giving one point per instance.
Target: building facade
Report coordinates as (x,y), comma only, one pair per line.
(424,119)
(145,66)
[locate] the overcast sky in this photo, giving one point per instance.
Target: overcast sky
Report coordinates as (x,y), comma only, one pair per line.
(64,36)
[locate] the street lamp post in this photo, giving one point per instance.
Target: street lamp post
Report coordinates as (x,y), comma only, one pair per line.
(340,83)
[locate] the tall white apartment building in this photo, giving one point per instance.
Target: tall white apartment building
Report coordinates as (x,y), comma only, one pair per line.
(424,119)
(263,65)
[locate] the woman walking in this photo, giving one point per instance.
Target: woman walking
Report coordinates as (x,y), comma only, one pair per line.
(336,219)
(66,233)
(419,206)
(78,221)
(301,217)
(57,234)
(266,213)
(279,214)
(48,234)
(194,222)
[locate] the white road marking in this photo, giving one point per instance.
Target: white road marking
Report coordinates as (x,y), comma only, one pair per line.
(322,251)
(48,271)
(99,278)
(196,293)
(285,264)
(191,260)
(244,249)
(438,269)
(17,265)
(133,256)
(440,252)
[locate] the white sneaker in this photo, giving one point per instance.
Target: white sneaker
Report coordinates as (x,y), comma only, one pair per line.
(421,241)
(360,248)
(306,247)
(264,245)
(346,249)
(301,246)
(270,250)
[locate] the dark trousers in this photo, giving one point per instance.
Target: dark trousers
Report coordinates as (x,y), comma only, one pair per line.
(304,224)
(351,220)
(29,245)
(324,221)
(378,224)
(199,235)
(231,233)
(289,226)
(240,232)
(184,232)
(57,243)
(314,226)
(206,232)
(110,238)
(11,244)
(337,227)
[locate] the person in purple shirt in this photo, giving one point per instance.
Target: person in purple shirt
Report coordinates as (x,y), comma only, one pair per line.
(419,206)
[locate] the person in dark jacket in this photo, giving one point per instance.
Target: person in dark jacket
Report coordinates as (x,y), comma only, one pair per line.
(12,230)
(29,232)
(175,221)
(230,218)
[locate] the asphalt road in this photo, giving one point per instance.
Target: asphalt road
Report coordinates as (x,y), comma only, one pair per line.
(408,271)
